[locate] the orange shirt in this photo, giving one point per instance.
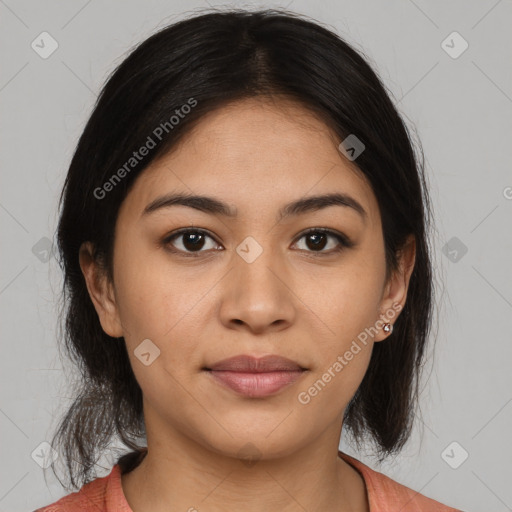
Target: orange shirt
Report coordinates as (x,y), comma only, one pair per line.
(384,494)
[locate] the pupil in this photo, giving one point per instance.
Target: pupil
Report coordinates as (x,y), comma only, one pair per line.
(194,244)
(317,244)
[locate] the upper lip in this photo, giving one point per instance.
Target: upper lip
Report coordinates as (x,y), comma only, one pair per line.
(251,364)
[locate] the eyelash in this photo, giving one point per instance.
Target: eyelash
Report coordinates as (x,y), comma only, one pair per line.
(343,240)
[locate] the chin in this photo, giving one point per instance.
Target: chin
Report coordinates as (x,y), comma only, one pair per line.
(256,443)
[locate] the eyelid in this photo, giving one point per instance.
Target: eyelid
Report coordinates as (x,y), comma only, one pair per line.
(344,239)
(175,234)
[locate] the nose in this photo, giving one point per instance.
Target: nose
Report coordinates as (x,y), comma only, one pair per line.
(258,296)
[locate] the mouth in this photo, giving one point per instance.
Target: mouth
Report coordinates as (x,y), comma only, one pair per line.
(256,377)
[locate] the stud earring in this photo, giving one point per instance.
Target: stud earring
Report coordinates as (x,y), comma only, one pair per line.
(388,328)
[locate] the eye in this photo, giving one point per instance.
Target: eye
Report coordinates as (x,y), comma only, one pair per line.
(192,241)
(317,240)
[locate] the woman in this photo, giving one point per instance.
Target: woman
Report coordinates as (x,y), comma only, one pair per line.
(244,240)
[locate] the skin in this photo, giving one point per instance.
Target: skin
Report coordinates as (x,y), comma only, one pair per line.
(255,155)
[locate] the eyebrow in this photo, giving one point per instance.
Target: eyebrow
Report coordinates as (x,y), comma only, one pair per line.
(214,206)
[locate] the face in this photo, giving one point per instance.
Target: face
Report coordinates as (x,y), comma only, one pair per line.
(306,283)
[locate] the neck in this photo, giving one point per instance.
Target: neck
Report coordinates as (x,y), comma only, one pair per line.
(190,477)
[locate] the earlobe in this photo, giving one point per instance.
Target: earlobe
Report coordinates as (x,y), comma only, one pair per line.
(395,296)
(100,291)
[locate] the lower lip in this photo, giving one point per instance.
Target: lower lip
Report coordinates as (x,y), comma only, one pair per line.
(256,384)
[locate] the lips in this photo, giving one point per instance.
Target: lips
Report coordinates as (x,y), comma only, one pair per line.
(250,364)
(256,377)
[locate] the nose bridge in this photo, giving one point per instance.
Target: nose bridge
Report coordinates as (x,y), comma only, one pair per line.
(256,265)
(258,295)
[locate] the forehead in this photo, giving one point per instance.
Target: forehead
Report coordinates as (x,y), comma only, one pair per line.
(255,154)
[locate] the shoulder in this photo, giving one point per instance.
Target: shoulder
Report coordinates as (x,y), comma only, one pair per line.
(386,494)
(99,495)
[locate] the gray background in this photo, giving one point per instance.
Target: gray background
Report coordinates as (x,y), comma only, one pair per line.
(461,108)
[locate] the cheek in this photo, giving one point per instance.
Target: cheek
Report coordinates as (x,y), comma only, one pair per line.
(348,305)
(341,362)
(162,311)
(348,301)
(324,396)
(166,306)
(151,296)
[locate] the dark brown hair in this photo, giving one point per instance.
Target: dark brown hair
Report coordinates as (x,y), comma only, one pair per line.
(215,58)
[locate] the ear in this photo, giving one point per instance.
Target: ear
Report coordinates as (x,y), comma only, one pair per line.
(395,292)
(101,291)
